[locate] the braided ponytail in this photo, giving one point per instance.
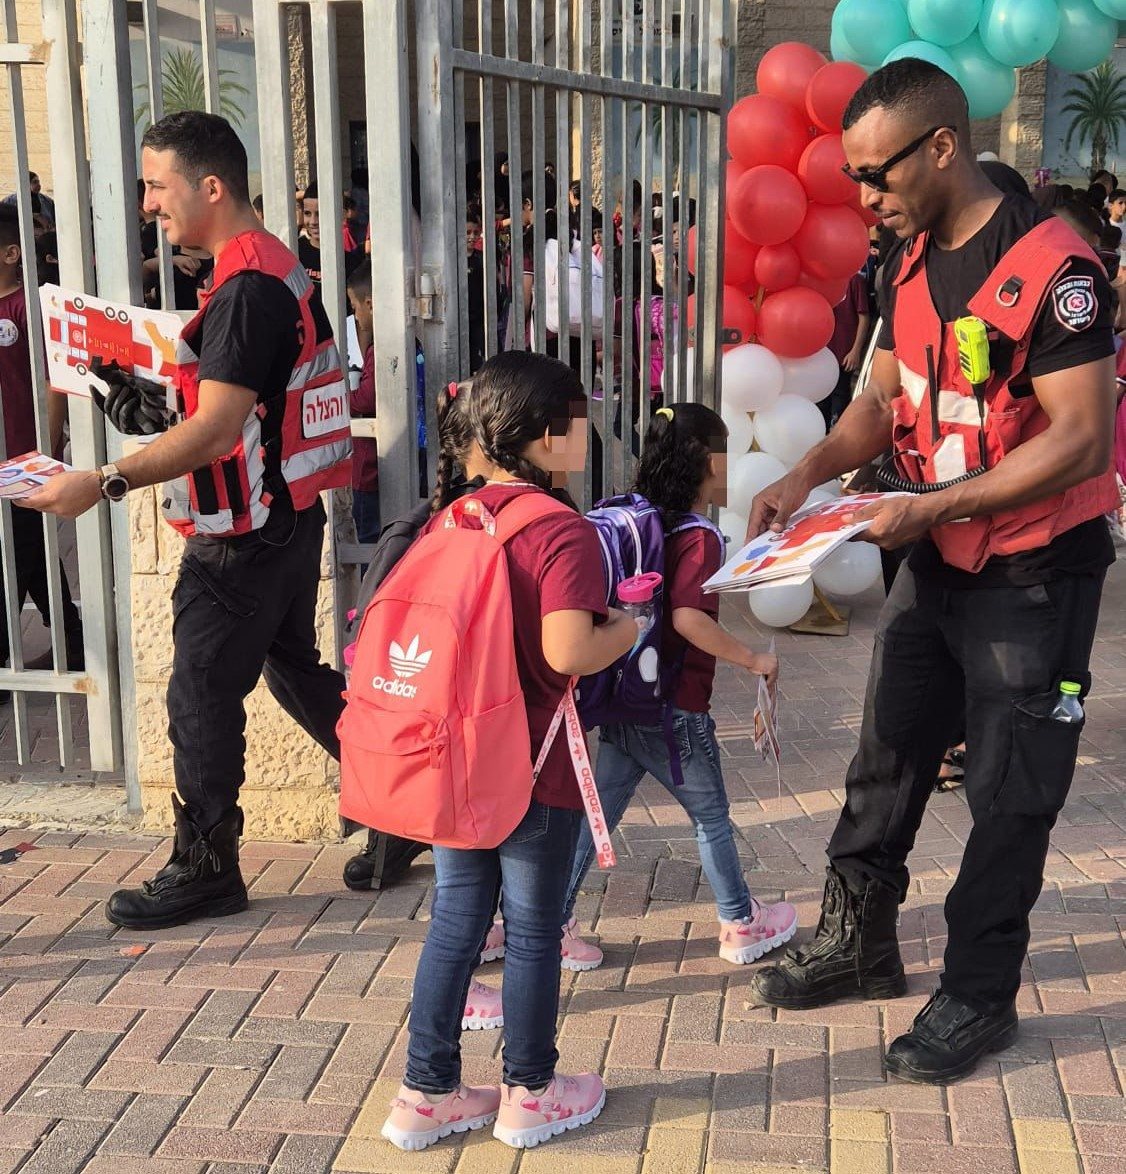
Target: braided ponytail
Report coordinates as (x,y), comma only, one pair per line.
(455,435)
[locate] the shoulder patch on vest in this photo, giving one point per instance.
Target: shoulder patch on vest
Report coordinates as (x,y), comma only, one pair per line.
(1075,302)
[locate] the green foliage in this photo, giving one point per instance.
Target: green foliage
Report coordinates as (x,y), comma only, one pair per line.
(1098,108)
(184,87)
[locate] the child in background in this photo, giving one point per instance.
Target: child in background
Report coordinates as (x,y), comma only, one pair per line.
(528,414)
(683,470)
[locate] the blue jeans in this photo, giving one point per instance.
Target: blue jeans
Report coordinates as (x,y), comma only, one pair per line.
(365,513)
(528,871)
(626,753)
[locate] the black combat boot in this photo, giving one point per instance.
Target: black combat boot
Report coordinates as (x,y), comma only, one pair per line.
(855,952)
(201,879)
(947,1040)
(384,862)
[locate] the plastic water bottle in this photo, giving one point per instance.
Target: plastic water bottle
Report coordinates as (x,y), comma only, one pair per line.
(1068,708)
(635,598)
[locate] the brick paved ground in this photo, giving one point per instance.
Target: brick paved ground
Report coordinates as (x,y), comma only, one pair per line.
(271,1040)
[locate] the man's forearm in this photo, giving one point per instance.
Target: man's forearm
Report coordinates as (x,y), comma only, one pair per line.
(189,445)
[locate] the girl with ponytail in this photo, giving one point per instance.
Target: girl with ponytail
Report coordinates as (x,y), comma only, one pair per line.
(527,414)
(683,471)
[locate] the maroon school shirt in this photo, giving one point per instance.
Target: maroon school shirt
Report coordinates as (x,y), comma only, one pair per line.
(15,376)
(554,564)
(847,315)
(365,458)
(691,558)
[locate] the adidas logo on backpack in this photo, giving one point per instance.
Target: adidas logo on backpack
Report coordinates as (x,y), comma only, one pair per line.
(446,760)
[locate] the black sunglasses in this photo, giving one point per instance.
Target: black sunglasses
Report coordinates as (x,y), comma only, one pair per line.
(877,177)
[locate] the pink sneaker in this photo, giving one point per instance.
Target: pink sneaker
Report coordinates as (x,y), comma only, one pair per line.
(578,954)
(494,943)
(415,1123)
(527,1118)
(482,1008)
(771,926)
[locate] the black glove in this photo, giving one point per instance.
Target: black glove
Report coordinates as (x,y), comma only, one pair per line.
(134,406)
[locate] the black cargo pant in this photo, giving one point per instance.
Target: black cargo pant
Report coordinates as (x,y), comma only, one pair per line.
(242,607)
(993,659)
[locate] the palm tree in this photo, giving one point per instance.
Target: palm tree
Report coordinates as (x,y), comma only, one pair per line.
(1098,107)
(184,87)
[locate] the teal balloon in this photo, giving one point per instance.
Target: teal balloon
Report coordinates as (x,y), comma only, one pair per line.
(989,85)
(944,22)
(1019,32)
(925,51)
(840,47)
(1086,39)
(873,27)
(1115,8)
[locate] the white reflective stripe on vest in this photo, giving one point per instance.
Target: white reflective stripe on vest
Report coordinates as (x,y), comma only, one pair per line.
(953,408)
(219,524)
(584,774)
(316,460)
(323,362)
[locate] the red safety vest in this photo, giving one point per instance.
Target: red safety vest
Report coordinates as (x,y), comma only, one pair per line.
(298,441)
(1009,303)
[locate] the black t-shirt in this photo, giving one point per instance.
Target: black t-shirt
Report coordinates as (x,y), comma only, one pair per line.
(250,336)
(954,277)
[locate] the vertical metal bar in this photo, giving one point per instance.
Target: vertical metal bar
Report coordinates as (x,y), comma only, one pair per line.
(488,185)
(706,290)
(583,43)
(684,202)
(330,185)
(539,195)
(387,106)
(271,68)
(645,319)
(154,71)
(459,278)
(515,177)
(673,326)
(631,247)
(441,257)
(606,48)
(563,181)
(87,432)
(117,247)
(210,57)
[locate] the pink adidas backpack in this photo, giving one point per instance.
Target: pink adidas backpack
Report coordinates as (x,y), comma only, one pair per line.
(434,741)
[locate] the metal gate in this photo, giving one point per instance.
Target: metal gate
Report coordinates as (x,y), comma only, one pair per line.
(100,684)
(612,94)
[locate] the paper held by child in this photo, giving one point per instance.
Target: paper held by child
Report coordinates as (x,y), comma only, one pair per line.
(80,328)
(766,739)
(22,475)
(813,533)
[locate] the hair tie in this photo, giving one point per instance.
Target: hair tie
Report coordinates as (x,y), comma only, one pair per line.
(666,412)
(452,389)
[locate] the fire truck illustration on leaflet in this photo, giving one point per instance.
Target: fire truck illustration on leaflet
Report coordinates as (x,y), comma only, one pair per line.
(81,328)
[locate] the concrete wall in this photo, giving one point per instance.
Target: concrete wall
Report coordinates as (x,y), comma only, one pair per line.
(30,25)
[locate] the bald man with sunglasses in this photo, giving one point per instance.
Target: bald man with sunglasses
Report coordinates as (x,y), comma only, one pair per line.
(994,387)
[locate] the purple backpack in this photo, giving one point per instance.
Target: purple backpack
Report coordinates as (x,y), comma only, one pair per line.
(639,687)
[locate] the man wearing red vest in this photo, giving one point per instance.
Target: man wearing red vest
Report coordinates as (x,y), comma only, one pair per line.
(261,428)
(1004,444)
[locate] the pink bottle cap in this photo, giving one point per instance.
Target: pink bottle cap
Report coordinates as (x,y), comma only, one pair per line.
(639,589)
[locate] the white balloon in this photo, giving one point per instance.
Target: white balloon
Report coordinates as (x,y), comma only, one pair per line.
(850,569)
(831,488)
(780,605)
(817,497)
(740,432)
(813,378)
(752,378)
(748,475)
(789,428)
(733,526)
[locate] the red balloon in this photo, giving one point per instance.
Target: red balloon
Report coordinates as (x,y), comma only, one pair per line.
(833,290)
(832,241)
(821,174)
(738,256)
(796,323)
(786,71)
(734,170)
(767,205)
(777,267)
(830,90)
(739,318)
(762,129)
